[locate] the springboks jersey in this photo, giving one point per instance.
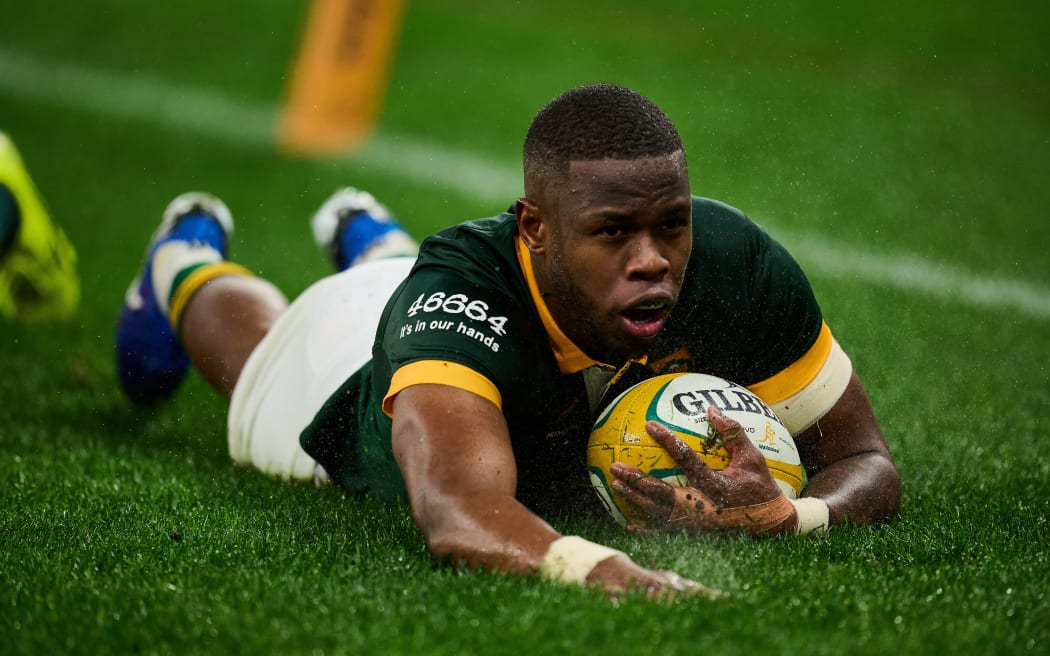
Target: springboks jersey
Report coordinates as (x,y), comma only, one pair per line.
(470,315)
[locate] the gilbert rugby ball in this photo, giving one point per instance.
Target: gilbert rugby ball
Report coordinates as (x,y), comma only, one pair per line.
(680,401)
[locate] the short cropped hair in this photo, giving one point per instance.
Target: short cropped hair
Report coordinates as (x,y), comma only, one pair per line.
(594,122)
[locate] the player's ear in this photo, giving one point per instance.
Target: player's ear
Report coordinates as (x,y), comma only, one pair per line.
(531,226)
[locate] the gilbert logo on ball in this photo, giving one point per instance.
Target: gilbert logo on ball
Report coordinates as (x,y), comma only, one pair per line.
(680,401)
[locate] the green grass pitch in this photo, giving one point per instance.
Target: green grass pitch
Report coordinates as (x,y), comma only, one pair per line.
(899,149)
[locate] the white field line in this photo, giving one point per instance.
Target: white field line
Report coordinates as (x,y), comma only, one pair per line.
(911,273)
(207,113)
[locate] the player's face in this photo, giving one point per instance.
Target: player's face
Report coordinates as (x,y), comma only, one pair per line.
(616,250)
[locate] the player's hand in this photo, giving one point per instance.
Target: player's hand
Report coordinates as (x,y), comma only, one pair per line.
(619,575)
(742,497)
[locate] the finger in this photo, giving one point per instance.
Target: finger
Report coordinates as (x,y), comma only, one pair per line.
(688,460)
(655,509)
(693,588)
(743,454)
(672,586)
(641,483)
(727,427)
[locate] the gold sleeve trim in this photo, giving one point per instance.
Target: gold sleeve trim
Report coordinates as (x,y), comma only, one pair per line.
(193,282)
(796,376)
(802,410)
(440,372)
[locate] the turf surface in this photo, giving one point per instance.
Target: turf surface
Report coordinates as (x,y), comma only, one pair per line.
(900,150)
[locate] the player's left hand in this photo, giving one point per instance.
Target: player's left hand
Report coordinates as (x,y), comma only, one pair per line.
(742,497)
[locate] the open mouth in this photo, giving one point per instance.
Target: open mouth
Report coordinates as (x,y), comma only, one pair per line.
(646,319)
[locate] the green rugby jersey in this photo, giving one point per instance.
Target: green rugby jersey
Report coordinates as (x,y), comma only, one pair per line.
(469,306)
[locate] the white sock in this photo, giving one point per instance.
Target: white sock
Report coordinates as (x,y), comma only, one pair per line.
(174,257)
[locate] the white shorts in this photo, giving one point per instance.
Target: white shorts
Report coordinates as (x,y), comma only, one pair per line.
(323,337)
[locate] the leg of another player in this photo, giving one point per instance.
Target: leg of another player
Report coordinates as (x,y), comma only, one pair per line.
(223,323)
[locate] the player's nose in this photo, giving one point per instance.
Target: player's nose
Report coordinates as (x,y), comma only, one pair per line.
(647,261)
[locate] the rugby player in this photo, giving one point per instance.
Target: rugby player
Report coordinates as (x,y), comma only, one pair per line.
(465,378)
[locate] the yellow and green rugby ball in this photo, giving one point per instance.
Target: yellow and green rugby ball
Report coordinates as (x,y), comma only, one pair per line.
(680,402)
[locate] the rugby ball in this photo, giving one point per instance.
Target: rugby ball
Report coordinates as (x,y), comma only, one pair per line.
(680,401)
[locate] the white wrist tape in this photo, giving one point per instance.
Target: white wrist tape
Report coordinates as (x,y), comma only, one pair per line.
(812,515)
(570,559)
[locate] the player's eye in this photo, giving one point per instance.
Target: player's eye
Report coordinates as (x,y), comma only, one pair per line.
(675,223)
(609,231)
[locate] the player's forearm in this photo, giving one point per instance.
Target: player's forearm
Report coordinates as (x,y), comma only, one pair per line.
(862,489)
(496,534)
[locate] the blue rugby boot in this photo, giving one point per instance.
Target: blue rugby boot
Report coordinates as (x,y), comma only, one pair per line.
(150,360)
(352,227)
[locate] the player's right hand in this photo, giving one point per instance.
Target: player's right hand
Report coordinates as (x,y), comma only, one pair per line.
(619,574)
(743,497)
